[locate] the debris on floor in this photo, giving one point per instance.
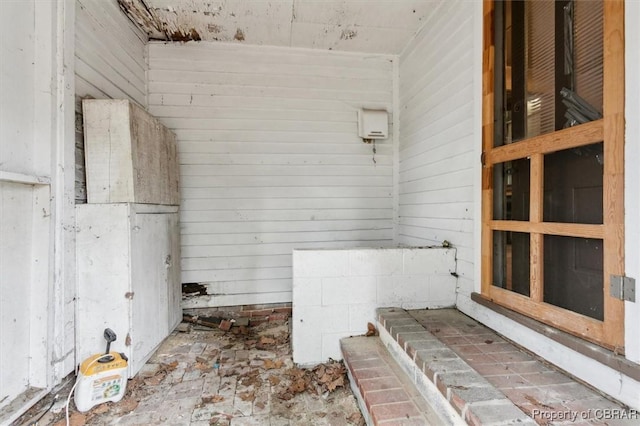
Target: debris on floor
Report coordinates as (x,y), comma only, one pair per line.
(203,375)
(211,322)
(320,380)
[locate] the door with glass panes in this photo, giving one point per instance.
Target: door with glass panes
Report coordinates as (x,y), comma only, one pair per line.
(553,124)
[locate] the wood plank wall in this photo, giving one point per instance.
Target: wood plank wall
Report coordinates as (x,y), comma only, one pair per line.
(270,160)
(437,135)
(110,63)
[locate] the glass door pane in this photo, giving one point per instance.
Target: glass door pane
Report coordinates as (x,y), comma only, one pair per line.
(511,261)
(573,274)
(511,190)
(573,185)
(551,65)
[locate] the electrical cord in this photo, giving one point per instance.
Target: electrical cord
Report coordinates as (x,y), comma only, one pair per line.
(66,407)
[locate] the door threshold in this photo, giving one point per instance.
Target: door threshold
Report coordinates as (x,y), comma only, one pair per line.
(20,404)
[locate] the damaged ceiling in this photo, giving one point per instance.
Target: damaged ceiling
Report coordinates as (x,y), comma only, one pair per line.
(373,26)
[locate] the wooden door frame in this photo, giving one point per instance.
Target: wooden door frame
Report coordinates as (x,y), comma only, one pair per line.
(610,129)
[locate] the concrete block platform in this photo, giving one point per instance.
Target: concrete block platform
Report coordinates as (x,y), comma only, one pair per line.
(467,373)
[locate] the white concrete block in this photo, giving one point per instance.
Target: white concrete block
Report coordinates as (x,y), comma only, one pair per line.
(307,292)
(308,327)
(306,340)
(403,288)
(428,261)
(442,288)
(360,315)
(384,291)
(320,263)
(375,262)
(326,318)
(349,290)
(331,345)
(339,291)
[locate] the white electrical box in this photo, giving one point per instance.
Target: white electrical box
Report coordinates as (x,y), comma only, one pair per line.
(373,124)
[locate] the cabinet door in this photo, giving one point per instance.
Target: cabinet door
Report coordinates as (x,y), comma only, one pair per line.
(150,248)
(104,277)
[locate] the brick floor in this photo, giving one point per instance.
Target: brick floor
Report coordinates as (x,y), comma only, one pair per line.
(209,377)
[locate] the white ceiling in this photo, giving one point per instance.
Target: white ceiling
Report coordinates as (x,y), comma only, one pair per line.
(374,26)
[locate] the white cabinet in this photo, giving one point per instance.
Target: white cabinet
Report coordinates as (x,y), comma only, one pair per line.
(128,269)
(130,156)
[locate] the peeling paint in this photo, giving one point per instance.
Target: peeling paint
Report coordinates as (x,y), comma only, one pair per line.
(379,26)
(138,12)
(189,35)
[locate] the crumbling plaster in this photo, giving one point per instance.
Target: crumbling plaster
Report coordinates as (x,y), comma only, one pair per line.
(374,26)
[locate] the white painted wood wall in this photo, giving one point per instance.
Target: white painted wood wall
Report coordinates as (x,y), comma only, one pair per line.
(36,233)
(270,160)
(437,135)
(20,167)
(110,63)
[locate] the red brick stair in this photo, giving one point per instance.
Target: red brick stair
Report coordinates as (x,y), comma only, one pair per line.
(387,397)
(441,367)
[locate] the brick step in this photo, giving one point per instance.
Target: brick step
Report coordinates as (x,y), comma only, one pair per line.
(433,365)
(386,395)
(483,378)
(392,390)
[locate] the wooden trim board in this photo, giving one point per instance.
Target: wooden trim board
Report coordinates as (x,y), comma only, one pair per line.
(609,130)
